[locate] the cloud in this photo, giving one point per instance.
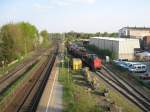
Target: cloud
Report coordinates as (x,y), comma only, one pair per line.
(87,1)
(91,1)
(60,3)
(42,7)
(72,2)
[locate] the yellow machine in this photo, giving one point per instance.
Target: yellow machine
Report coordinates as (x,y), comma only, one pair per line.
(76,64)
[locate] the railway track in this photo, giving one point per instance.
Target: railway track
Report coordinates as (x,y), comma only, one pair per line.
(127,85)
(123,87)
(28,96)
(21,66)
(7,80)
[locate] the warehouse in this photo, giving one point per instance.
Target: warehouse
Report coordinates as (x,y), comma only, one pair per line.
(122,47)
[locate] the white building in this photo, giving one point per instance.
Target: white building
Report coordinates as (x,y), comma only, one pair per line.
(134,32)
(122,47)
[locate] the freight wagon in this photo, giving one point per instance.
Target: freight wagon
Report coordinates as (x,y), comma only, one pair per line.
(92,60)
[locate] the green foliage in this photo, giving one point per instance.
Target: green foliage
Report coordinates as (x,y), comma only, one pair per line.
(8,43)
(113,35)
(29,36)
(101,52)
(17,40)
(45,37)
(75,35)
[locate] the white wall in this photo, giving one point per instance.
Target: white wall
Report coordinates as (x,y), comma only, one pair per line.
(123,48)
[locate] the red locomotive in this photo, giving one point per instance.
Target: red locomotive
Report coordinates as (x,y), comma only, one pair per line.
(92,60)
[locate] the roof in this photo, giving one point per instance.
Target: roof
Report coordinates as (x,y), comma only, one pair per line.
(116,39)
(138,28)
(84,39)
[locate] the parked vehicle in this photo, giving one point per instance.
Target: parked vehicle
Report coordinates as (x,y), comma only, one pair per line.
(131,66)
(119,61)
(137,67)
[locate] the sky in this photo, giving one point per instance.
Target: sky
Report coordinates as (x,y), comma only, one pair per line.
(77,15)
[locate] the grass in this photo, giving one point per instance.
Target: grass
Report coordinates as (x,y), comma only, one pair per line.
(120,101)
(75,97)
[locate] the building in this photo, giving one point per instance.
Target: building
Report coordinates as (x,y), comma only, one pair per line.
(134,32)
(122,47)
(146,43)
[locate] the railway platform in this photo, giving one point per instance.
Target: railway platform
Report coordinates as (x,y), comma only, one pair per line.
(51,99)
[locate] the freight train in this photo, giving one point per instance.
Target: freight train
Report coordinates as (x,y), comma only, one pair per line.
(92,60)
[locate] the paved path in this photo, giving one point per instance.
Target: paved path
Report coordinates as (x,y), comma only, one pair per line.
(56,101)
(51,100)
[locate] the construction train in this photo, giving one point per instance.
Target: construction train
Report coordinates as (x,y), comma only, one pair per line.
(92,60)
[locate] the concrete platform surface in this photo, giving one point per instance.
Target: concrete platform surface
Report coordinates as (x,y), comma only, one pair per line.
(51,100)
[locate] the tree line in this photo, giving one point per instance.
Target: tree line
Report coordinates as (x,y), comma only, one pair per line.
(75,35)
(18,39)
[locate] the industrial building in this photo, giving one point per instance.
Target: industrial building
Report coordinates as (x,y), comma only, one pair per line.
(146,43)
(134,32)
(122,47)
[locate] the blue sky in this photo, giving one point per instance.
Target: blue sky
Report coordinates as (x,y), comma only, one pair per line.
(77,15)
